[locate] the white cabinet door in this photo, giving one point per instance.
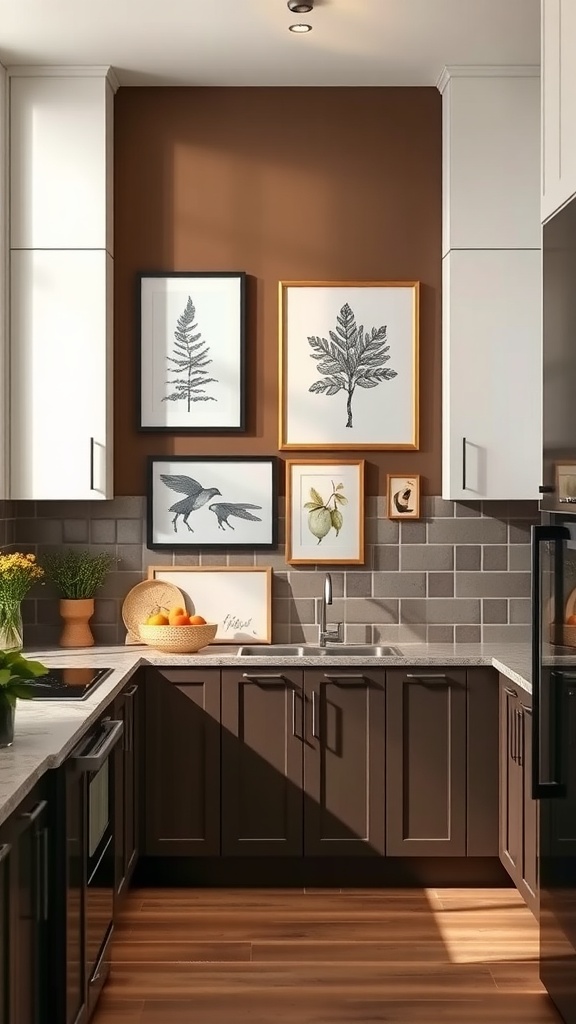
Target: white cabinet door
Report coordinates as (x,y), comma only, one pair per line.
(61,163)
(61,375)
(491,162)
(492,373)
(558,42)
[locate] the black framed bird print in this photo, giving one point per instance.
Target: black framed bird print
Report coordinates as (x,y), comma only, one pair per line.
(212,502)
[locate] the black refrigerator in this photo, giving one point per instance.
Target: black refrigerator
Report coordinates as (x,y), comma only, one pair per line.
(553,638)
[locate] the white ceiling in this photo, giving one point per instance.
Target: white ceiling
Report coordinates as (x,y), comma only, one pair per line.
(246,42)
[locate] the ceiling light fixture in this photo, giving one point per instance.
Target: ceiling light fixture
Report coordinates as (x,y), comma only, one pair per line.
(300,28)
(299,8)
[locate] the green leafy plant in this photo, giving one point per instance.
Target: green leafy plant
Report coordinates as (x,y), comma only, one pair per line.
(15,673)
(321,517)
(77,574)
(354,358)
(188,362)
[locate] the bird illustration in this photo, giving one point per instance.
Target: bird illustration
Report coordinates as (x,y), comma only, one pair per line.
(402,500)
(223,509)
(196,496)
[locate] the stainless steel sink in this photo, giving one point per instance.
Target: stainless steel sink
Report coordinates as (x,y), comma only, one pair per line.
(314,651)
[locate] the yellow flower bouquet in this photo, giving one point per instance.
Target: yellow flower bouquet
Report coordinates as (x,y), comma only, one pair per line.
(18,573)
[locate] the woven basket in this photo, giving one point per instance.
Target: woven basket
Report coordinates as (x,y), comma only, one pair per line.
(562,635)
(178,639)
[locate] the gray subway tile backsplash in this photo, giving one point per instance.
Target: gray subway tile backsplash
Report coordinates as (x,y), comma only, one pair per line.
(460,573)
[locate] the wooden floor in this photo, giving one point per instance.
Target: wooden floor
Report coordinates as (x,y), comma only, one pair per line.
(211,956)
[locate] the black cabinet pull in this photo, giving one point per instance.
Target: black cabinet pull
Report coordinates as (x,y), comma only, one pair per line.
(4,851)
(33,815)
(464,443)
(546,489)
(512,733)
(45,874)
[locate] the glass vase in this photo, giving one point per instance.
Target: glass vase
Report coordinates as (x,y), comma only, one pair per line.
(11,631)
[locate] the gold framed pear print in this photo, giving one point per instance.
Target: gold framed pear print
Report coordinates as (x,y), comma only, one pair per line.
(325,511)
(349,365)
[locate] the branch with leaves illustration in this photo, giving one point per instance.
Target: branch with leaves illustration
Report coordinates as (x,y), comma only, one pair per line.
(321,517)
(189,361)
(353,358)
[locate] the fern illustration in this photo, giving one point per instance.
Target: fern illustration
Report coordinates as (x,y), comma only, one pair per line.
(189,361)
(352,359)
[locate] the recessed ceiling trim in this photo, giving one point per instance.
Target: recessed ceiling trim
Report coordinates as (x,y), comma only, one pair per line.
(64,71)
(486,71)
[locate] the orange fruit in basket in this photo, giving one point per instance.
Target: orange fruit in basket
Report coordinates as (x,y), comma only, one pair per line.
(197,620)
(180,620)
(571,620)
(174,613)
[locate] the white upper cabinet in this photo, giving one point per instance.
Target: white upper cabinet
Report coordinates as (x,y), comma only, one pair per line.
(61,374)
(60,159)
(492,374)
(3,284)
(491,158)
(558,40)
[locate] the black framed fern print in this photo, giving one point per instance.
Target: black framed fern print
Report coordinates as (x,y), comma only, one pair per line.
(349,364)
(191,348)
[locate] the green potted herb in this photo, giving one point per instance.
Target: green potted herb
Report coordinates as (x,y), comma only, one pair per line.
(77,575)
(15,675)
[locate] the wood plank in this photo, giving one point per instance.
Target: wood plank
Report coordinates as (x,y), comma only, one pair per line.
(328,957)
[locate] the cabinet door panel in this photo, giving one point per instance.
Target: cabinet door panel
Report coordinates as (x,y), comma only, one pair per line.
(61,162)
(561,814)
(61,374)
(262,763)
(558,105)
(529,862)
(344,765)
(6,1016)
(481,441)
(510,782)
(426,763)
(182,765)
(482,795)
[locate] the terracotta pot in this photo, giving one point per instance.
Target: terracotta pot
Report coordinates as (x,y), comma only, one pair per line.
(76,615)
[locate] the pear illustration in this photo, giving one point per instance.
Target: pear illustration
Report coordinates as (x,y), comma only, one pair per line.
(321,516)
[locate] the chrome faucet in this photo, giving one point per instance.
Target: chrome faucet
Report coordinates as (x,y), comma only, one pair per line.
(334,633)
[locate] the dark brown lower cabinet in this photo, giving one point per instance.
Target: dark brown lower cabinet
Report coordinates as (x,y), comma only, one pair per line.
(262,762)
(181,767)
(127,794)
(425,763)
(482,744)
(6,988)
(518,811)
(344,762)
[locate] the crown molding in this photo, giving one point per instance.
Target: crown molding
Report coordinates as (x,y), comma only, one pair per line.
(65,71)
(486,71)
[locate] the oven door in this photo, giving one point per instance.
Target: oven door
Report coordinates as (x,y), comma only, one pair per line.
(96,763)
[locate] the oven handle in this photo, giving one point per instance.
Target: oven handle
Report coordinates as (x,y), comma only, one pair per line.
(95,758)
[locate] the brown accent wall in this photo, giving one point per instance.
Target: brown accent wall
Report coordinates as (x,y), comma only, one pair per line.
(294,184)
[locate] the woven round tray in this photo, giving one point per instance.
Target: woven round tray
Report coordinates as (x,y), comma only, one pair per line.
(143,600)
(178,639)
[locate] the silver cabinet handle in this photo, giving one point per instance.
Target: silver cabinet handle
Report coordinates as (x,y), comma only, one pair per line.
(315,731)
(427,676)
(96,757)
(4,851)
(342,680)
(271,677)
(131,691)
(511,693)
(34,814)
(520,740)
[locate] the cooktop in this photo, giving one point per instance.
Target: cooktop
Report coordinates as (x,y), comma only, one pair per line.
(69,683)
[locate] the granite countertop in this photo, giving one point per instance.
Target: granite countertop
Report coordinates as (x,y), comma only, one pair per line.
(46,732)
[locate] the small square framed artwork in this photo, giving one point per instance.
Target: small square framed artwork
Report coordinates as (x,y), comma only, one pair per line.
(204,501)
(403,497)
(191,351)
(325,511)
(566,483)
